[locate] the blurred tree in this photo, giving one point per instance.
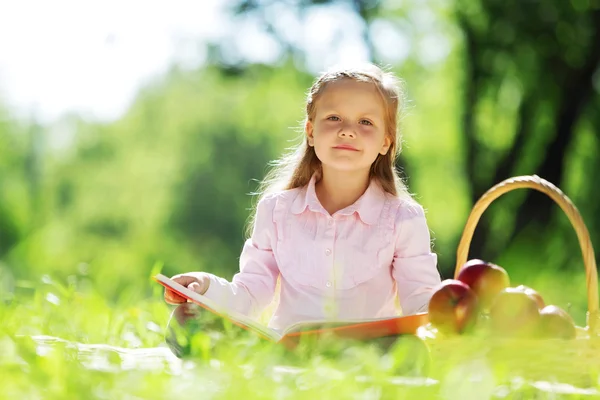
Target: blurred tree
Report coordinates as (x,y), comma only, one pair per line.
(168,181)
(15,209)
(34,169)
(534,63)
(366,10)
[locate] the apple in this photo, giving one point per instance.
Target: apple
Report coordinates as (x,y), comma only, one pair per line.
(532,292)
(453,308)
(485,279)
(514,313)
(556,323)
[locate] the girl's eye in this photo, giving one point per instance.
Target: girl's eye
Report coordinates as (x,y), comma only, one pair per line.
(333,118)
(365,122)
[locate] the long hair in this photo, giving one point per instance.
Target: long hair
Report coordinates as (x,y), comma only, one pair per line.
(295,168)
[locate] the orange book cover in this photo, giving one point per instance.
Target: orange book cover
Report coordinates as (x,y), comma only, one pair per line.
(359,330)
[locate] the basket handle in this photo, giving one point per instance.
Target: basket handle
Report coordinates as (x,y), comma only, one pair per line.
(542,185)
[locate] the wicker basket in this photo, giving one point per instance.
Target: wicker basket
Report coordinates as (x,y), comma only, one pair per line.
(575,361)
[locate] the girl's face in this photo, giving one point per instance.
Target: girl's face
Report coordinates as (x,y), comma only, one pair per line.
(348,128)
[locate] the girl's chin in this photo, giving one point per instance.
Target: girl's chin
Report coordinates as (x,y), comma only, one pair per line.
(344,167)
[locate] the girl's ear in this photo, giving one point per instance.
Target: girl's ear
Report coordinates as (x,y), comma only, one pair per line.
(387,142)
(308,129)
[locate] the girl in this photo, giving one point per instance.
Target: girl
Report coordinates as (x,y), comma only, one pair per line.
(334,223)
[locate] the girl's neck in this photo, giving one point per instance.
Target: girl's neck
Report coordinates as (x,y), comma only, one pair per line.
(337,190)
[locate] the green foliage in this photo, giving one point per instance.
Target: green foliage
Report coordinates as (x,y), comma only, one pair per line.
(15,192)
(170,181)
(66,340)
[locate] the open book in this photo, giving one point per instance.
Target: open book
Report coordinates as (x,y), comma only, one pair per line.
(354,329)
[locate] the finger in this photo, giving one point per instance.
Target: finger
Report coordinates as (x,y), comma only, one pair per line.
(196,287)
(173,298)
(184,280)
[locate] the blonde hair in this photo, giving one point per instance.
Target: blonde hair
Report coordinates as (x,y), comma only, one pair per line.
(296,168)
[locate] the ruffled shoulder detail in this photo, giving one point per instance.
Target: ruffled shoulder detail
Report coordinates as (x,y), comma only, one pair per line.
(283,203)
(398,210)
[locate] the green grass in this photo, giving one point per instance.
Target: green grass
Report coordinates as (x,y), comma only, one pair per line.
(61,341)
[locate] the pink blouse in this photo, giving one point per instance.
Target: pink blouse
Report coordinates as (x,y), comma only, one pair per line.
(351,265)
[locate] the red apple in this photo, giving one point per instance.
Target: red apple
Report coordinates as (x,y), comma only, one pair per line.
(485,279)
(556,323)
(531,292)
(514,313)
(453,308)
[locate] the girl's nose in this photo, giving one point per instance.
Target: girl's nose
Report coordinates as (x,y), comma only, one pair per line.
(347,130)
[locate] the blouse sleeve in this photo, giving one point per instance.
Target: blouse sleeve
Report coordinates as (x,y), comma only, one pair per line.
(415,265)
(253,287)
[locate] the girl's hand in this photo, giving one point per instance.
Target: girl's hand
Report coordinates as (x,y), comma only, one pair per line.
(196,281)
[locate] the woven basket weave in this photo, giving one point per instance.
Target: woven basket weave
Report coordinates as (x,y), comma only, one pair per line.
(575,361)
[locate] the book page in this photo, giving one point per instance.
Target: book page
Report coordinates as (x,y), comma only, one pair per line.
(217,309)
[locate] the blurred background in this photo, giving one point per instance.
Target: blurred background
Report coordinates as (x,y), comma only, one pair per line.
(132,133)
